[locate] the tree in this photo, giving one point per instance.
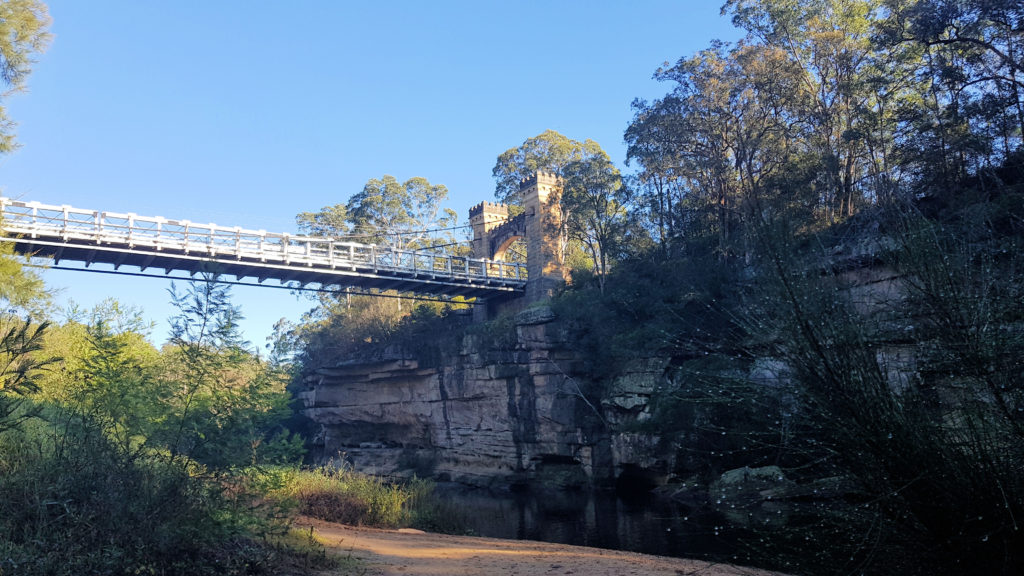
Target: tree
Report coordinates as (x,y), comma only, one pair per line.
(20,338)
(407,215)
(20,290)
(229,406)
(19,368)
(970,71)
(548,151)
(22,297)
(594,202)
(23,34)
(653,139)
(991,26)
(830,41)
(404,216)
(400,215)
(330,221)
(103,375)
(708,147)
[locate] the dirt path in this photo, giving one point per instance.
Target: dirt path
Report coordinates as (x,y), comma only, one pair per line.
(414,553)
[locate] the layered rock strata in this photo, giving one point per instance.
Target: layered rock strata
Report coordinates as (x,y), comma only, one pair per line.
(487,415)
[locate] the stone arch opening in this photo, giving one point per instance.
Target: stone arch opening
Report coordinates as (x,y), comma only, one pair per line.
(506,241)
(511,249)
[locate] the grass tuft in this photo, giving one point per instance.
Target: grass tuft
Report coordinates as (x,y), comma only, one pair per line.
(339,494)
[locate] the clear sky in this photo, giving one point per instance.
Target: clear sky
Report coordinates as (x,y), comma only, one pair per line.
(245,113)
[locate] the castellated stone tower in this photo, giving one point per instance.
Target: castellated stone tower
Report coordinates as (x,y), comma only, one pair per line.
(545,236)
(540,225)
(484,218)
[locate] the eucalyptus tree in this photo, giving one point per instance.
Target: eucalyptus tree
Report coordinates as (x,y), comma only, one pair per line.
(830,41)
(991,27)
(970,62)
(653,141)
(594,202)
(548,151)
(399,214)
(765,100)
(707,125)
(707,148)
(332,221)
(404,215)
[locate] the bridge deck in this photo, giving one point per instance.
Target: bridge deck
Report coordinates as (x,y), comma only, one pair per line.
(91,237)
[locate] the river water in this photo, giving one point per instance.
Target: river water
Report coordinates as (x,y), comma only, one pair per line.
(598,519)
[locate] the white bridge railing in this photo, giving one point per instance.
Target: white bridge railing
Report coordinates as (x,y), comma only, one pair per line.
(75,226)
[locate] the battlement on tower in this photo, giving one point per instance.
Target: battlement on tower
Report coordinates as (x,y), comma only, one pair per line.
(489,208)
(540,177)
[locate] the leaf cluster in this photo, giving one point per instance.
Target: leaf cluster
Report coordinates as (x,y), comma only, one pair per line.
(548,151)
(403,215)
(24,33)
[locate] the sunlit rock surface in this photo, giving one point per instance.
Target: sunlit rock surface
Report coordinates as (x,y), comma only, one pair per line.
(488,416)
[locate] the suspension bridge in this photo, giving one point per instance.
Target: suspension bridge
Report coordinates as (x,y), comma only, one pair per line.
(91,237)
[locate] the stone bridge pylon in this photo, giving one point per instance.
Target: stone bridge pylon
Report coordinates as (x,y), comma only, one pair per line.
(540,226)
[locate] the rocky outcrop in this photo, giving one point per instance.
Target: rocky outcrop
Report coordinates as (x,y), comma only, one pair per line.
(494,415)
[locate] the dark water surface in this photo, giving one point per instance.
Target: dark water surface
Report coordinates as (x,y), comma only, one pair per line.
(598,519)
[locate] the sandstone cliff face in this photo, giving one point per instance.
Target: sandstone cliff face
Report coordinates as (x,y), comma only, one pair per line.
(486,416)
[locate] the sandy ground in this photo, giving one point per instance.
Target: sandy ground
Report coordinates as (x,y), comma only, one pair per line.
(414,553)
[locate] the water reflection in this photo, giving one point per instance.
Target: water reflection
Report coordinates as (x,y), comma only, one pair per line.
(597,519)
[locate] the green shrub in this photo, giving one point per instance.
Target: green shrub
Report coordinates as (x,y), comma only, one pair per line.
(72,502)
(339,494)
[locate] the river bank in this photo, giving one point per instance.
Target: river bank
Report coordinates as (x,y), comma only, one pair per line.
(415,553)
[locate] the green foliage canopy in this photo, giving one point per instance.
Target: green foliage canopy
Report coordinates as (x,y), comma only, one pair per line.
(406,215)
(594,203)
(548,151)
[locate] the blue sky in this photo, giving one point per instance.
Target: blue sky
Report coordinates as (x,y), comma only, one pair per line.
(247,113)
